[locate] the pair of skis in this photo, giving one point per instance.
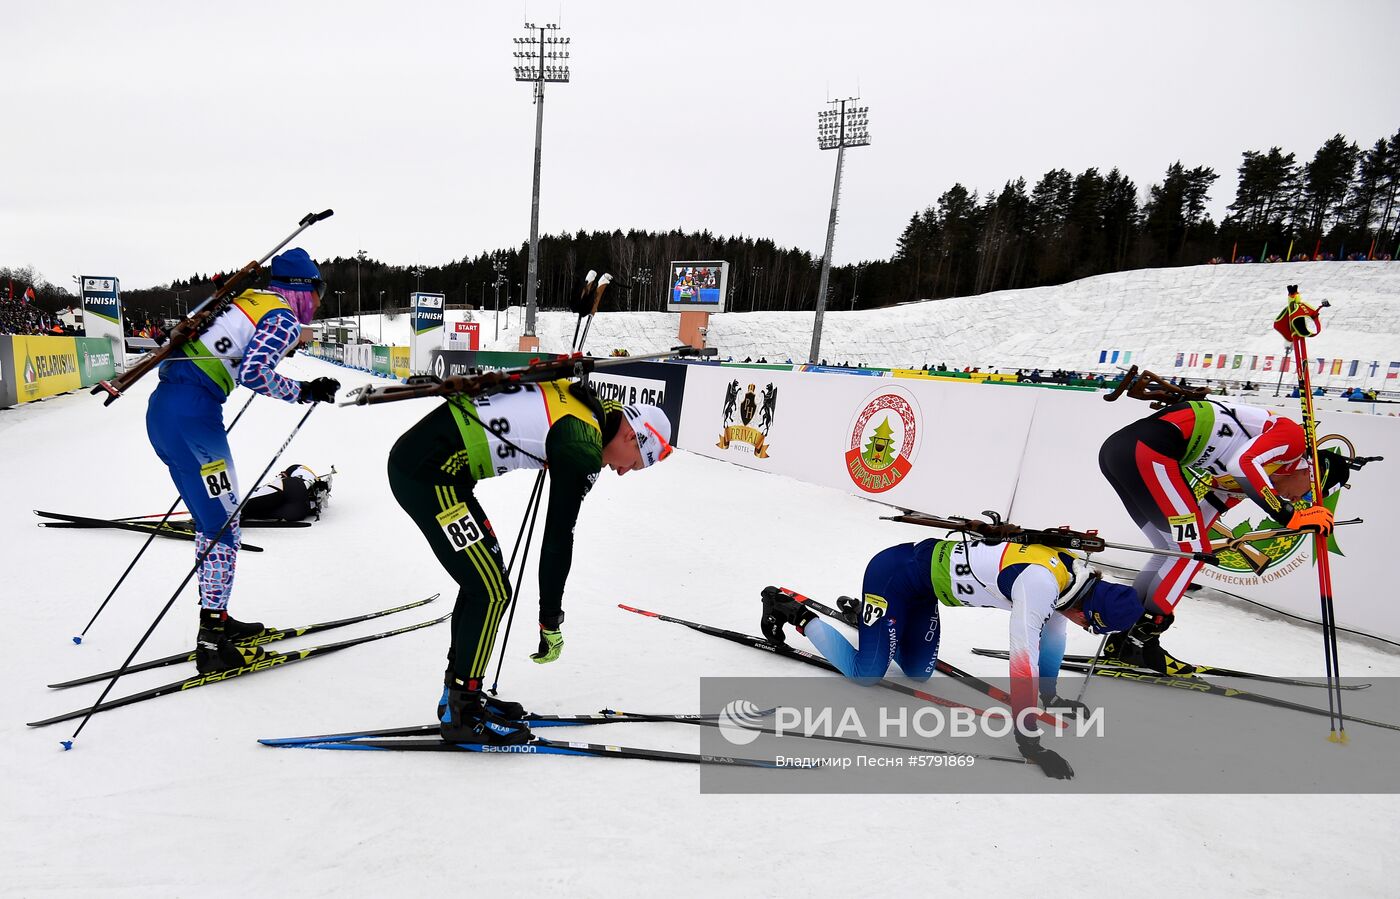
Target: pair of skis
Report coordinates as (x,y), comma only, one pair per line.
(279,660)
(423,738)
(1193,684)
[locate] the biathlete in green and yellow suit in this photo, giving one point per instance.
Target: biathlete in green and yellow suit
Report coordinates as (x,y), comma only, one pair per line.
(434,467)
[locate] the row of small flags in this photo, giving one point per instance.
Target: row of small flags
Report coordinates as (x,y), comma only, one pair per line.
(1237,361)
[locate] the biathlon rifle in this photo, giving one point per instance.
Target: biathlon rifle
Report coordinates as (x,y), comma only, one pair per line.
(200,317)
(996,531)
(1144,385)
(540,370)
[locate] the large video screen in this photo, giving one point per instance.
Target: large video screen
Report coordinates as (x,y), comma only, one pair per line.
(698,286)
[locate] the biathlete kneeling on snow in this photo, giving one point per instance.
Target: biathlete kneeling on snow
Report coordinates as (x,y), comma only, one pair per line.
(898,619)
(1177,470)
(434,467)
(185,423)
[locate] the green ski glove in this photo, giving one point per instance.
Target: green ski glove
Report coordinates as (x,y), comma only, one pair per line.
(551,645)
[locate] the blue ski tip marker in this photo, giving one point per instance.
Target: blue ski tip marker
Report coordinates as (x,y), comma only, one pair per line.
(66,744)
(77,640)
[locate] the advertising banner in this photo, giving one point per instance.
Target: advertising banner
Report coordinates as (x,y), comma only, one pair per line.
(655,383)
(427,328)
(398,361)
(44,366)
(905,442)
(102,312)
(95,361)
(381,360)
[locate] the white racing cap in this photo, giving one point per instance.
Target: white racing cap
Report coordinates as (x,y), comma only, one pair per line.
(653,431)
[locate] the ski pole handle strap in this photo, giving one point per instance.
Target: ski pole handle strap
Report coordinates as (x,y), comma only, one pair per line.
(312,218)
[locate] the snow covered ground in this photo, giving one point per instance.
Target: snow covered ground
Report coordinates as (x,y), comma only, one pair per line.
(174,797)
(1154,313)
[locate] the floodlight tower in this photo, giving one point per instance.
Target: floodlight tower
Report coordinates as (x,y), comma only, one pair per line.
(540,57)
(840,127)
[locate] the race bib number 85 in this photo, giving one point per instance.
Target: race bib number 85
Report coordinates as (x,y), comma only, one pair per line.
(459,526)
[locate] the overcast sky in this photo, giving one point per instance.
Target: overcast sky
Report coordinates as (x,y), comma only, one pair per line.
(151,140)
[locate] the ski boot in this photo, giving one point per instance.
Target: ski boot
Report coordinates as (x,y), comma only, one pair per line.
(242,631)
(504,708)
(216,648)
(779,609)
(1140,646)
(464,716)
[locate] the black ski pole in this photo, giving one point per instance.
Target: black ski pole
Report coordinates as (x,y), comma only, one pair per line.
(532,511)
(582,298)
(142,551)
(597,298)
(213,541)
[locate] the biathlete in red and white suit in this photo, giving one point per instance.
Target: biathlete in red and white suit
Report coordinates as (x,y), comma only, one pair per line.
(1176,471)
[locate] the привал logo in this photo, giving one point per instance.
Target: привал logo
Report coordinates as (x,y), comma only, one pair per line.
(883,440)
(1284,555)
(740,721)
(746,434)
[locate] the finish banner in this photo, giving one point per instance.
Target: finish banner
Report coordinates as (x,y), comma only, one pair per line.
(427,328)
(102,312)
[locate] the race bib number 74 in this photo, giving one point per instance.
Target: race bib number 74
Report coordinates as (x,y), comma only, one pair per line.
(459,526)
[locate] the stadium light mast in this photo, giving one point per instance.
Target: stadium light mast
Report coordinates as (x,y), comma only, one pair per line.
(540,57)
(842,126)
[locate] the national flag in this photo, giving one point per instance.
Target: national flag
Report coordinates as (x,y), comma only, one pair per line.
(1206,362)
(28,295)
(1321,364)
(12,290)
(1115,356)
(1239,360)
(1180,358)
(1127,356)
(1374,365)
(1393,372)
(1287,363)
(1195,360)
(1253,363)
(1103,356)
(1268,363)
(1336,367)
(1355,364)
(1220,361)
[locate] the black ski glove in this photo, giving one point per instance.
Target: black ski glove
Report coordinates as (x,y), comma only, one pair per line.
(849,607)
(321,390)
(1070,708)
(1050,761)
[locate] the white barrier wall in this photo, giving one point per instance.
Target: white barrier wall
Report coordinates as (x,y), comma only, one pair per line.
(899,441)
(955,448)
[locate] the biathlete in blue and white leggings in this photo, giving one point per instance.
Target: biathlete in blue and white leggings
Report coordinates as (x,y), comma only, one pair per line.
(184,421)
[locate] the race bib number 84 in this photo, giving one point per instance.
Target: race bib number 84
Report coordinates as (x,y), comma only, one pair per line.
(216,479)
(459,526)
